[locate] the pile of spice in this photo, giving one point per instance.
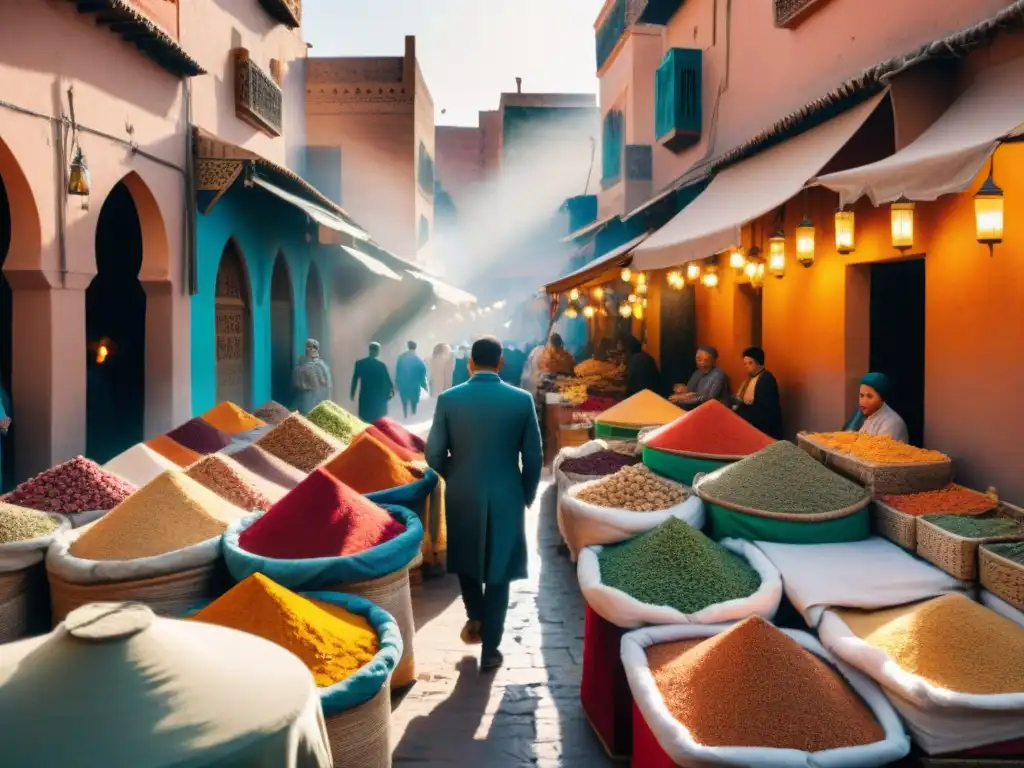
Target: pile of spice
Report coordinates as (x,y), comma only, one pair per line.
(232,482)
(950,641)
(875,449)
(336,421)
(272,412)
(405,454)
(332,642)
(368,466)
(198,436)
(321,517)
(677,566)
(230,419)
(78,485)
(299,442)
(976,527)
(400,434)
(753,686)
(598,463)
(173,451)
(170,513)
(711,429)
(952,500)
(139,464)
(781,478)
(22,524)
(635,488)
(644,409)
(595,404)
(1011,550)
(266,465)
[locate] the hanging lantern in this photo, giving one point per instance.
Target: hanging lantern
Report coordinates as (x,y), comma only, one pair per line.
(901,214)
(693,271)
(625,310)
(638,311)
(737,260)
(675,280)
(574,294)
(571,312)
(589,311)
(641,279)
(626,275)
(757,276)
(988,212)
(845,242)
(805,243)
(750,269)
(642,289)
(643,303)
(710,277)
(598,293)
(777,254)
(78,178)
(631,298)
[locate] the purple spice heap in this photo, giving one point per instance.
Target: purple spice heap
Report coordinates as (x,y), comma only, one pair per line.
(598,464)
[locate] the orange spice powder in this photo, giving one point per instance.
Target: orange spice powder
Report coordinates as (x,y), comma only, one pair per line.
(368,466)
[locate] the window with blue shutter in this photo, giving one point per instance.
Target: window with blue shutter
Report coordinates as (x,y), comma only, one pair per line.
(610,31)
(677,98)
(613,134)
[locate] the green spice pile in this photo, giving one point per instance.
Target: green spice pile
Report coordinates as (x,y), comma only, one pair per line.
(1013,550)
(336,421)
(677,566)
(21,524)
(781,478)
(975,527)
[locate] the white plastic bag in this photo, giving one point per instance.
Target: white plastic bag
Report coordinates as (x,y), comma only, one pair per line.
(18,555)
(679,745)
(589,524)
(622,610)
(75,570)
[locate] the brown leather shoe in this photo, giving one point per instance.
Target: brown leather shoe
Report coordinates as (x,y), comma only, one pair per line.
(471,633)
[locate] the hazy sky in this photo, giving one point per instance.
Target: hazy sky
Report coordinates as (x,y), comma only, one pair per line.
(469,50)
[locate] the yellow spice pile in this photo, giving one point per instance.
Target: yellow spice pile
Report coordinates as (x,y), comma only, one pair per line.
(877,449)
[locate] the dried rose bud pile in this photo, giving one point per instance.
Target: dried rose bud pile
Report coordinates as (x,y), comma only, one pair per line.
(78,485)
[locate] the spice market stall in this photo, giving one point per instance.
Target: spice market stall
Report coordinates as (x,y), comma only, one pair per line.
(25,535)
(624,420)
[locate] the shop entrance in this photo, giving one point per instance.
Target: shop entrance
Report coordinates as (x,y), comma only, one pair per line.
(115,330)
(6,324)
(282,332)
(234,329)
(748,316)
(897,336)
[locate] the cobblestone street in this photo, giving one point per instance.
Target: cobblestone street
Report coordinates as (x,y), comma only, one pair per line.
(526,714)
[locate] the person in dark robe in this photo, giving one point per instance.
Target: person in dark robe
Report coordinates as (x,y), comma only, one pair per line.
(410,378)
(461,374)
(373,381)
(757,400)
(641,368)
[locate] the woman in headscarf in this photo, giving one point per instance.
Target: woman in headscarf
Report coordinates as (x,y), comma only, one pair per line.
(757,400)
(442,369)
(873,415)
(311,379)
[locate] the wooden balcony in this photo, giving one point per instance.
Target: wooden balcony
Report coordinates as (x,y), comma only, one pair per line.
(790,13)
(258,99)
(288,12)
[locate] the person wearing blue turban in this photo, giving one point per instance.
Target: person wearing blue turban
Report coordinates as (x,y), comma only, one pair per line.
(874,416)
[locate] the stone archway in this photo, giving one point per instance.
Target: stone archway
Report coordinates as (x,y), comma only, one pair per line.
(282,332)
(316,312)
(233,328)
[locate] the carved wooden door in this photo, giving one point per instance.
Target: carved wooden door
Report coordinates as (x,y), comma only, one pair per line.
(234,340)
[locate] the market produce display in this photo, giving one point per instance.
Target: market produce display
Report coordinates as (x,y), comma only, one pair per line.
(402,452)
(320,517)
(22,524)
(644,409)
(272,412)
(599,368)
(199,436)
(78,485)
(170,513)
(331,642)
(230,419)
(266,465)
(975,527)
(635,488)
(139,464)
(952,500)
(231,481)
(950,641)
(174,451)
(1012,550)
(368,466)
(876,449)
(710,429)
(300,442)
(677,566)
(336,421)
(753,686)
(399,434)
(781,478)
(604,462)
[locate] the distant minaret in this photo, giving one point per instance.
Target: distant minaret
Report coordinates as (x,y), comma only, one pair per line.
(519,85)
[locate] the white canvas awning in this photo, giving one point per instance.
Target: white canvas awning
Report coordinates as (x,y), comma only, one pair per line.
(444,291)
(947,157)
(748,190)
(616,257)
(317,213)
(372,264)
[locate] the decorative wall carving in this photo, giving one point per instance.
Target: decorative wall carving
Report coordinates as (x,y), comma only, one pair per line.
(381,69)
(258,99)
(789,13)
(288,12)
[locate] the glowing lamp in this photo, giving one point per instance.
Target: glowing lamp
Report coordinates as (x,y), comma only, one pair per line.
(572,313)
(693,271)
(589,311)
(598,293)
(777,254)
(625,310)
(675,280)
(737,260)
(845,242)
(574,294)
(641,288)
(626,275)
(631,298)
(988,213)
(757,276)
(901,215)
(710,277)
(805,243)
(638,311)
(102,353)
(641,279)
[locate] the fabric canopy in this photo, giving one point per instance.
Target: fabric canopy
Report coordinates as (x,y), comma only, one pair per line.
(747,190)
(372,264)
(589,229)
(616,257)
(947,157)
(443,291)
(318,213)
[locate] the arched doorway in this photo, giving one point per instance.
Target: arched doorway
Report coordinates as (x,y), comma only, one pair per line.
(115,329)
(315,311)
(234,329)
(6,324)
(282,332)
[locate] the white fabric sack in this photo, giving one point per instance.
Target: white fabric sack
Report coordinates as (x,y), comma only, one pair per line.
(18,555)
(622,610)
(578,452)
(76,570)
(679,745)
(589,524)
(563,482)
(874,573)
(1001,607)
(876,664)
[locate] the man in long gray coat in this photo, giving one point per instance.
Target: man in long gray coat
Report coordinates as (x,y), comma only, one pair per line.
(485,442)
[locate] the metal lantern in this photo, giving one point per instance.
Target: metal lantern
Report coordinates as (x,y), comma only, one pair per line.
(845,238)
(777,254)
(78,178)
(626,275)
(571,312)
(805,243)
(710,277)
(675,280)
(574,294)
(901,214)
(757,276)
(598,293)
(641,288)
(625,310)
(737,260)
(589,311)
(693,272)
(631,298)
(988,212)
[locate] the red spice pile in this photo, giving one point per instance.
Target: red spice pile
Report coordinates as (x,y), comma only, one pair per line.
(321,517)
(400,434)
(78,485)
(711,429)
(368,466)
(200,436)
(952,500)
(595,404)
(401,451)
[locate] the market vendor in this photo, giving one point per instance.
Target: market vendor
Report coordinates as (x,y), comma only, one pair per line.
(874,416)
(757,399)
(641,368)
(556,358)
(708,382)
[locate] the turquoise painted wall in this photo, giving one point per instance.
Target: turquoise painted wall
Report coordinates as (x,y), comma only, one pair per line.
(262,226)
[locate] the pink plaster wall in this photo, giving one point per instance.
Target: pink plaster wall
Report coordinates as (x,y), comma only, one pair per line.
(460,159)
(424,132)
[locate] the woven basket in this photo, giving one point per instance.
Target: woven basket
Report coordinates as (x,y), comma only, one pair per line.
(957,555)
(14,604)
(898,527)
(361,737)
(882,479)
(571,437)
(170,595)
(390,592)
(1001,576)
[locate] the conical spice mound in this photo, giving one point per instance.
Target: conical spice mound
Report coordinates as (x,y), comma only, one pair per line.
(644,409)
(710,429)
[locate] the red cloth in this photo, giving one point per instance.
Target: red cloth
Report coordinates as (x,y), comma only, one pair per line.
(400,434)
(647,752)
(604,690)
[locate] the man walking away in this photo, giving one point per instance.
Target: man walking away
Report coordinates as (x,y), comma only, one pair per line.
(410,378)
(373,381)
(481,433)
